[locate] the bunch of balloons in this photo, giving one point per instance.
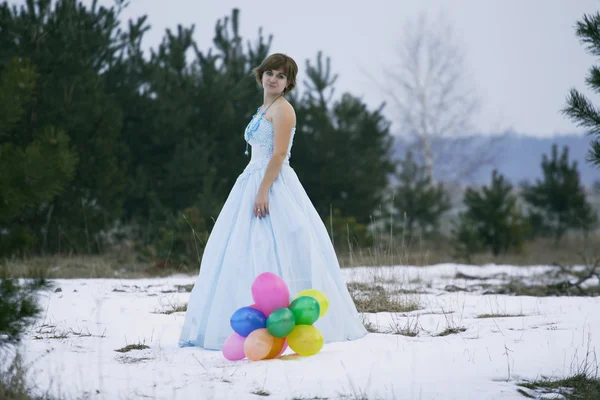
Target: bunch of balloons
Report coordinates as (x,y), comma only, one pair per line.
(266,328)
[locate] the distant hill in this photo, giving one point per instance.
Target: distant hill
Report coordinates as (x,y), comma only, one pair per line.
(520,156)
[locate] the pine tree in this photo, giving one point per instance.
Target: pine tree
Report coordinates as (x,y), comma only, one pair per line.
(18,308)
(558,200)
(108,134)
(341,149)
(579,108)
(492,219)
(71,47)
(417,201)
(36,168)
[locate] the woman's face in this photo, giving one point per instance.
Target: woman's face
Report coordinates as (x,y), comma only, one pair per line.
(274,81)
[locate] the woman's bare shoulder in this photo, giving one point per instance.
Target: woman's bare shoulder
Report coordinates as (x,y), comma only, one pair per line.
(285,111)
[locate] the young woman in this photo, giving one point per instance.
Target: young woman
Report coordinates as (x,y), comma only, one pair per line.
(268,224)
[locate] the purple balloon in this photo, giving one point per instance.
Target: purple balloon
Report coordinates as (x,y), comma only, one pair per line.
(246,320)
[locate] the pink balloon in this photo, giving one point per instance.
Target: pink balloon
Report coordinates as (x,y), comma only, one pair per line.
(233,348)
(270,292)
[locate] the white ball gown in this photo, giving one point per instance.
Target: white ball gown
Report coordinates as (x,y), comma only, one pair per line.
(291,241)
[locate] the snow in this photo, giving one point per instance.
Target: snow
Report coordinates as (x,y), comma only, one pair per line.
(71,349)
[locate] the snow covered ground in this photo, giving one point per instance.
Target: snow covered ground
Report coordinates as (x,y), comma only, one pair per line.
(71,350)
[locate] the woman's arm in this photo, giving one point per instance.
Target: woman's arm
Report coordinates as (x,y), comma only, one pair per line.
(283,121)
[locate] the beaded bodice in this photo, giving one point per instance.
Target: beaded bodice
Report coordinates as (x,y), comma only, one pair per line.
(260,135)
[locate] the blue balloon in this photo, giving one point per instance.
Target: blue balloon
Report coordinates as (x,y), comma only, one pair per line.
(246,320)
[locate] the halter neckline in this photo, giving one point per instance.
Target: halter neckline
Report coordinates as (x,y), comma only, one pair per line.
(255,126)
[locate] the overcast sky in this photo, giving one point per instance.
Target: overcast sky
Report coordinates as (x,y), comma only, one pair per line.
(522,55)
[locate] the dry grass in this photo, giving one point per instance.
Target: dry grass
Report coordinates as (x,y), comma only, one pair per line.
(13,379)
(422,252)
(133,360)
(374,299)
(108,265)
(484,316)
(369,326)
(520,287)
(130,347)
(184,288)
(48,331)
(261,392)
(583,382)
(387,293)
(309,398)
(404,325)
(579,387)
(172,308)
(124,262)
(452,331)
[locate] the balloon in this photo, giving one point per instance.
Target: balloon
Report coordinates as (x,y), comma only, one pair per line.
(321,298)
(270,292)
(258,344)
(306,309)
(233,348)
(277,348)
(283,348)
(281,322)
(305,340)
(246,320)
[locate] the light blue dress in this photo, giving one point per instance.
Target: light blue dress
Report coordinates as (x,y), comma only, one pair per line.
(291,241)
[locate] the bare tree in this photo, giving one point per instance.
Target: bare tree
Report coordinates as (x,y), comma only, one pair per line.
(434,103)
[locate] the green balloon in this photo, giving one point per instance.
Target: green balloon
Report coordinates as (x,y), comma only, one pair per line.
(281,322)
(306,309)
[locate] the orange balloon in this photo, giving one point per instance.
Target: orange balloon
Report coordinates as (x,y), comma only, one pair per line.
(276,348)
(258,344)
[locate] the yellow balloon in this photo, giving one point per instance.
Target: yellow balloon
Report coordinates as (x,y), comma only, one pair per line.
(305,340)
(319,296)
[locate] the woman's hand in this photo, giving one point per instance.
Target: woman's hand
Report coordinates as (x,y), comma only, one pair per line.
(261,204)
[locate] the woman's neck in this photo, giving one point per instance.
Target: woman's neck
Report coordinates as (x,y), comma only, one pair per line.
(268,99)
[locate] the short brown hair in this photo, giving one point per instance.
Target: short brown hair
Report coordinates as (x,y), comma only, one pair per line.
(278,61)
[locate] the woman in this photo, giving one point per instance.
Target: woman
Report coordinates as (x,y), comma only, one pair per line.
(267,223)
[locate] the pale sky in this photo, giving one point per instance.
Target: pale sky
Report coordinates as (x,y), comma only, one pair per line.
(522,55)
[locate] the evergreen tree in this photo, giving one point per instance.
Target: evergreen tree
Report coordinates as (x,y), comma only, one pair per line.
(93,133)
(558,200)
(71,47)
(417,201)
(579,108)
(465,240)
(36,168)
(18,308)
(187,142)
(492,219)
(341,150)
